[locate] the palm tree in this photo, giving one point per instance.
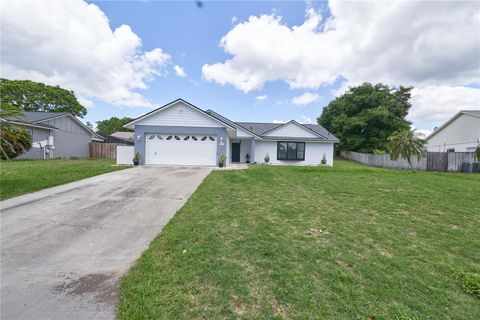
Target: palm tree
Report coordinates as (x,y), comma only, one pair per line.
(404,144)
(14,140)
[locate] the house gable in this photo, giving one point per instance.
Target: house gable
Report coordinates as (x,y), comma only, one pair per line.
(177,113)
(243,133)
(291,129)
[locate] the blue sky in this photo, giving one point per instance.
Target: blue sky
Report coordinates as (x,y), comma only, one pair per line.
(191,35)
(250,61)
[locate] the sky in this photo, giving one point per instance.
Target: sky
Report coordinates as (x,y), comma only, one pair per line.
(249,61)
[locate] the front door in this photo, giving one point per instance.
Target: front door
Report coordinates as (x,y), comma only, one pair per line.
(236,152)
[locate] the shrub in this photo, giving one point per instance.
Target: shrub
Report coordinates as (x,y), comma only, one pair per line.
(471,283)
(14,142)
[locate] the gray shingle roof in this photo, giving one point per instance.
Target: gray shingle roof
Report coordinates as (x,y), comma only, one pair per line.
(37,116)
(261,128)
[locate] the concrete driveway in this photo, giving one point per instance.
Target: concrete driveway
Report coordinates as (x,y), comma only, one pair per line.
(64,249)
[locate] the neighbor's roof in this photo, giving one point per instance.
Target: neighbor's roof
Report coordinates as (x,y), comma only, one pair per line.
(123,135)
(37,116)
(475,113)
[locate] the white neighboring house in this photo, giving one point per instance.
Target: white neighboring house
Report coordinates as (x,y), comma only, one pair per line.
(459,134)
(180,133)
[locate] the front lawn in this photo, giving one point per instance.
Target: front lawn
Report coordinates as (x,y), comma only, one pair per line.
(23,176)
(348,242)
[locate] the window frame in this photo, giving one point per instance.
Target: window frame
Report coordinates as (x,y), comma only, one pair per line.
(296,151)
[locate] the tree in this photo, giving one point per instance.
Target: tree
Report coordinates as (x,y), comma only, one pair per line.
(109,126)
(35,96)
(365,116)
(404,144)
(14,140)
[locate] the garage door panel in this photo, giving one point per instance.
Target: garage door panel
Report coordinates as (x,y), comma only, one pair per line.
(181,149)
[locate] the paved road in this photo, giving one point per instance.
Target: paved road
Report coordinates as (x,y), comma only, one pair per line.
(64,249)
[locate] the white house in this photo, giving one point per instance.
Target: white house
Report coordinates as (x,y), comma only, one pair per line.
(459,134)
(180,133)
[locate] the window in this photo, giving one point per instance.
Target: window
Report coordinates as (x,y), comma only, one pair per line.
(151,137)
(186,138)
(290,150)
(211,138)
(451,150)
(177,138)
(159,137)
(169,138)
(194,138)
(204,138)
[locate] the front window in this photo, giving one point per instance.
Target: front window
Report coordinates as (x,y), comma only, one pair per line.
(290,150)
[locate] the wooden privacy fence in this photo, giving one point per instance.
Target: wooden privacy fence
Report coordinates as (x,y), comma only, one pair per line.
(434,161)
(103,150)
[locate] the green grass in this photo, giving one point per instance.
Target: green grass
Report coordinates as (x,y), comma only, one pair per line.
(23,176)
(348,242)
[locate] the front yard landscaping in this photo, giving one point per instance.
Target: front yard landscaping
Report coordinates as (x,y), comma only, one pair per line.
(23,176)
(349,242)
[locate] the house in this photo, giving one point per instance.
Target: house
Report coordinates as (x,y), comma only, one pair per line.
(180,133)
(459,134)
(55,134)
(121,137)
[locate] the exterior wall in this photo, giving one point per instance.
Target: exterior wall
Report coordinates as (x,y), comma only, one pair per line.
(291,130)
(142,130)
(71,140)
(243,134)
(314,152)
(125,155)
(245,148)
(462,134)
(38,134)
(179,115)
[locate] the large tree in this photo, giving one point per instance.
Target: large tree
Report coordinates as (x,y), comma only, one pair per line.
(14,139)
(364,117)
(35,96)
(109,126)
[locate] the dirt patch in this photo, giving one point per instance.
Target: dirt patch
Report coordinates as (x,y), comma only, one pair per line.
(103,287)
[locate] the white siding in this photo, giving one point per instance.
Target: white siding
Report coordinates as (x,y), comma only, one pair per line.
(314,152)
(291,130)
(125,154)
(179,114)
(461,134)
(243,134)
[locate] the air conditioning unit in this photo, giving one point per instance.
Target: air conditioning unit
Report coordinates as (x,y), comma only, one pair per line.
(471,167)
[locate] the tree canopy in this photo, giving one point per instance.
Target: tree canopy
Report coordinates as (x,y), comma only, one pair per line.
(35,96)
(109,126)
(365,116)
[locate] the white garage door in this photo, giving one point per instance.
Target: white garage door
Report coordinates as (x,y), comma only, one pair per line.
(179,149)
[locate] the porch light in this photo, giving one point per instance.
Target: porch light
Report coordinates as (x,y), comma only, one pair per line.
(139,137)
(221,141)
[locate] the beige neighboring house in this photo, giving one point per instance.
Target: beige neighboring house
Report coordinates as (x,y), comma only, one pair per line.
(459,134)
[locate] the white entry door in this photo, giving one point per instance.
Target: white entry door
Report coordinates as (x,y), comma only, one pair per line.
(177,149)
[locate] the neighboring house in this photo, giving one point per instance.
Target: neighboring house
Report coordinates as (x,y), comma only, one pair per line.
(55,134)
(459,134)
(179,133)
(123,137)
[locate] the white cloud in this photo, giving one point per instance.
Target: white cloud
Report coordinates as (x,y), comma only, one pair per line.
(439,46)
(179,71)
(261,98)
(234,19)
(305,99)
(434,46)
(437,104)
(305,119)
(71,44)
(279,121)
